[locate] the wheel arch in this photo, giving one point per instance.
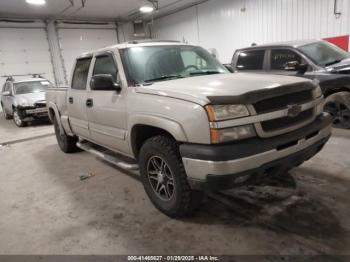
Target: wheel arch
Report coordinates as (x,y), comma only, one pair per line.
(332,91)
(54,112)
(145,127)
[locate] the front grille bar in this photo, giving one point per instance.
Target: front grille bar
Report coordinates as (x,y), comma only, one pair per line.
(263,117)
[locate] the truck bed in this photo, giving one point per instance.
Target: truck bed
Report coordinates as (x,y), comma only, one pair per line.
(58,96)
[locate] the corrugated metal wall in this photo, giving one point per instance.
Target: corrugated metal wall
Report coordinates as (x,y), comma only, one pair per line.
(224,25)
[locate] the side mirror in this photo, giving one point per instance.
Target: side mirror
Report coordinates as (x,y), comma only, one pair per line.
(229,67)
(104,82)
(6,93)
(296,66)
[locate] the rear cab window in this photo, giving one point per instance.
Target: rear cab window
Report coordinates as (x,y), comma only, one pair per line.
(251,60)
(81,73)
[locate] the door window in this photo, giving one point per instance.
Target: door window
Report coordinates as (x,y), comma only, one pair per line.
(81,72)
(105,65)
(251,60)
(280,57)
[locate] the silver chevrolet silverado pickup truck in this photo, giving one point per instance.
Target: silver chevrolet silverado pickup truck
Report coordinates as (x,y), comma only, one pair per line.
(174,113)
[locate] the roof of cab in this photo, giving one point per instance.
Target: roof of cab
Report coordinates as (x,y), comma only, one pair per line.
(134,43)
(294,44)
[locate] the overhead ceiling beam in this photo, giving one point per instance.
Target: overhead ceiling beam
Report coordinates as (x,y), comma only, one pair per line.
(83,3)
(71,4)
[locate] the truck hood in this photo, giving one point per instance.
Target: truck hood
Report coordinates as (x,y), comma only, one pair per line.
(30,99)
(342,67)
(237,87)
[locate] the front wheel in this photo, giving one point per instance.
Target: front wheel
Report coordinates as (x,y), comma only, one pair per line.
(17,118)
(66,143)
(338,105)
(164,178)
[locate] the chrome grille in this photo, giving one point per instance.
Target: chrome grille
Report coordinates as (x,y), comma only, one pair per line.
(276,124)
(40,104)
(281,102)
(284,124)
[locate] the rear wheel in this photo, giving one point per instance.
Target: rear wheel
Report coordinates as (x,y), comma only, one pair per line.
(17,118)
(66,143)
(338,105)
(164,178)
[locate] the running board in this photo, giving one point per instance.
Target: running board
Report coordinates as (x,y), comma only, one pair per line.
(108,157)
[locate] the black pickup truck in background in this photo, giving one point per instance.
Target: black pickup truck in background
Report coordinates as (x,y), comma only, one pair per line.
(316,60)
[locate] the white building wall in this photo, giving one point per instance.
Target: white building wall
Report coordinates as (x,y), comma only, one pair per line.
(222,24)
(125,32)
(75,39)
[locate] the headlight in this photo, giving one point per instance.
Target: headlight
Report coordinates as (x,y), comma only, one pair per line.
(318,92)
(232,133)
(224,112)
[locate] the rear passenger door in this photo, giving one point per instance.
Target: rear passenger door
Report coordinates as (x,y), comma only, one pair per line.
(77,98)
(251,61)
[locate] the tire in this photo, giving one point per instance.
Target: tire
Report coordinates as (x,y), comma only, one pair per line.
(338,105)
(17,118)
(168,190)
(66,143)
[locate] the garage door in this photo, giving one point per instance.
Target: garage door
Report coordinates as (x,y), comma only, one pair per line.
(24,51)
(75,41)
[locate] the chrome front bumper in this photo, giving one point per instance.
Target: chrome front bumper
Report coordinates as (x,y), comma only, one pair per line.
(37,110)
(199,169)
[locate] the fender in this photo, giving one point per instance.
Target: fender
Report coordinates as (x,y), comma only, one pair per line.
(169,125)
(63,121)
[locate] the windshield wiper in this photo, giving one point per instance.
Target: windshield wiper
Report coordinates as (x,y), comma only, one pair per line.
(205,72)
(333,62)
(165,77)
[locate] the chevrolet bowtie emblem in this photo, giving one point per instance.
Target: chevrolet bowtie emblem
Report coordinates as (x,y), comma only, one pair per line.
(294,110)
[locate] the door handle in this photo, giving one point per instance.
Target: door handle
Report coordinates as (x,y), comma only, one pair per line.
(71,100)
(89,102)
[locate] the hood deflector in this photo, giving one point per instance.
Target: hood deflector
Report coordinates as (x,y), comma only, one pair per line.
(257,95)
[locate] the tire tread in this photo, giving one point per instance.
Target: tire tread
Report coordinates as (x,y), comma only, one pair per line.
(189,199)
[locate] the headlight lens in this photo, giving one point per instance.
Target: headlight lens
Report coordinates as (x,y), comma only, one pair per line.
(318,92)
(232,133)
(224,112)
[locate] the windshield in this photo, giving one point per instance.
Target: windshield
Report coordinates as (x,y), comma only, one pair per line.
(324,54)
(31,87)
(160,63)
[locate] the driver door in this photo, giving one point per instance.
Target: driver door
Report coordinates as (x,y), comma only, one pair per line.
(279,57)
(107,108)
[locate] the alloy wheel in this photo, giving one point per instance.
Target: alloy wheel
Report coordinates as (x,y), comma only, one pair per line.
(161,178)
(340,113)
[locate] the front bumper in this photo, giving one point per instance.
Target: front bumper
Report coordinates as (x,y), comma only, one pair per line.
(31,114)
(217,166)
